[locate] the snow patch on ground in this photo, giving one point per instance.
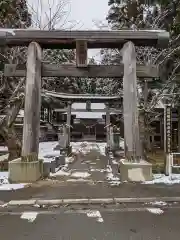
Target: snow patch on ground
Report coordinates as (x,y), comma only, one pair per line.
(101,147)
(114,162)
(81,147)
(30,216)
(111,177)
(86,147)
(113,180)
(97,170)
(78,180)
(3,149)
(69,159)
(122,143)
(95,214)
(9,187)
(157,203)
(87,161)
(6,186)
(161,178)
(109,169)
(60,173)
(157,211)
(80,175)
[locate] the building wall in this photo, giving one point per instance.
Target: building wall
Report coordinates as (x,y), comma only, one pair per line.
(81,129)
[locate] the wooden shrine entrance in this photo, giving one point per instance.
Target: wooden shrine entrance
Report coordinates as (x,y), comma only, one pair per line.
(89,125)
(35,69)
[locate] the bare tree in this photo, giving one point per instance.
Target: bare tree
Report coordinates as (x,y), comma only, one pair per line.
(52,14)
(44,15)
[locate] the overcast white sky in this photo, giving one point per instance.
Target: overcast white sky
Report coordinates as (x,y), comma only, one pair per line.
(81,14)
(86,11)
(89,13)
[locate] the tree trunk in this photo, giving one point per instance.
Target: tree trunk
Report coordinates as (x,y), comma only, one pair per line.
(12,142)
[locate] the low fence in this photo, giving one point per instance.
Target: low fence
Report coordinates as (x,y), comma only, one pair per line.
(172,162)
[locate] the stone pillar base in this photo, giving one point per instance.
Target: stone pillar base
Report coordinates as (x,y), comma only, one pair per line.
(60,160)
(25,172)
(135,172)
(57,147)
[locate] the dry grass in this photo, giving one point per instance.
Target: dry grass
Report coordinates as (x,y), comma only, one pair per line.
(157,159)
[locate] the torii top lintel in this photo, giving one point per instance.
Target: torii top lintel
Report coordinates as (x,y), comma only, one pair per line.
(95,39)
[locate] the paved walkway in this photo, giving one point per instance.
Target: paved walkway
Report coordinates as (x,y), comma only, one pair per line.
(145,223)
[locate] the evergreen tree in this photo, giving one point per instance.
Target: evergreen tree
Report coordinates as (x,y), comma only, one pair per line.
(147,14)
(150,14)
(14,14)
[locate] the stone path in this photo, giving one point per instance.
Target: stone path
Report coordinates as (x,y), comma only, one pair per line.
(91,167)
(92,175)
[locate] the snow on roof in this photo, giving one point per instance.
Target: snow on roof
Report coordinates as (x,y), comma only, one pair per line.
(93,106)
(90,115)
(159,104)
(21,113)
(82,97)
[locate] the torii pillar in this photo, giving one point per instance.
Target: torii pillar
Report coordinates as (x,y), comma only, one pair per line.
(68,128)
(133,168)
(28,168)
(108,122)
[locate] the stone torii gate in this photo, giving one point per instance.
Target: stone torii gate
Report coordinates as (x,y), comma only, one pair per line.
(27,168)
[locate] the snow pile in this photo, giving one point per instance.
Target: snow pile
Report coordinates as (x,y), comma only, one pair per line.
(161,178)
(6,186)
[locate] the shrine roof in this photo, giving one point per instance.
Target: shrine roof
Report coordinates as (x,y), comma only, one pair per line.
(83,97)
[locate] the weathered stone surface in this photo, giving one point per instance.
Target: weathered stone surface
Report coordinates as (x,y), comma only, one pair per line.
(46,169)
(135,172)
(60,160)
(53,166)
(24,172)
